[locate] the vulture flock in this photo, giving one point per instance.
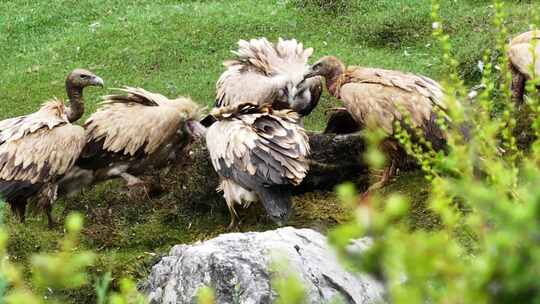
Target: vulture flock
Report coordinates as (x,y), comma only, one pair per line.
(254,134)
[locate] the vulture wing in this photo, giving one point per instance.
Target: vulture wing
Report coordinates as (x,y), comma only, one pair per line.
(265,69)
(138,121)
(16,128)
(377,97)
(38,154)
(521,56)
(239,84)
(259,150)
(285,57)
(525,37)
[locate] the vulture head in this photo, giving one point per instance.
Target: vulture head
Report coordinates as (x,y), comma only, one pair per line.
(303,96)
(193,113)
(272,72)
(76,81)
(328,67)
(81,78)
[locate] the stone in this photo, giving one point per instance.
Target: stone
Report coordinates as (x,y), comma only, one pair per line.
(240,267)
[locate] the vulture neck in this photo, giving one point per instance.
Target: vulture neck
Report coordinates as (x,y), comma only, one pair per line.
(76,102)
(333,81)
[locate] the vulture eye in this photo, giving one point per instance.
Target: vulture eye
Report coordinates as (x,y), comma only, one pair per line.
(85,76)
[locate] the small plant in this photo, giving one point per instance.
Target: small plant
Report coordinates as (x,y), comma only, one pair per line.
(206,295)
(287,284)
(66,269)
(484,190)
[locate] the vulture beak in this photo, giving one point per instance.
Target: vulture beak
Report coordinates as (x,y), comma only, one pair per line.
(208,121)
(302,86)
(97,81)
(195,129)
(308,74)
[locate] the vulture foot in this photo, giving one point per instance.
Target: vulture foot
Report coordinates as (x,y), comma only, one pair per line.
(138,191)
(136,187)
(46,199)
(50,221)
(234,225)
(131,181)
(19,207)
(387,174)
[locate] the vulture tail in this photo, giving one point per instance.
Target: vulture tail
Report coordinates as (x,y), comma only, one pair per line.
(277,203)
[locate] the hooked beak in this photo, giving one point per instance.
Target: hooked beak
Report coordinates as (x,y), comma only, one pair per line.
(303,85)
(195,129)
(308,74)
(98,82)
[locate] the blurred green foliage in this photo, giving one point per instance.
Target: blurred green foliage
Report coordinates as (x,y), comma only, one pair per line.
(485,192)
(53,273)
(287,283)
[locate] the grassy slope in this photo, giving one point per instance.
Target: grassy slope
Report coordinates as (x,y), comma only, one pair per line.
(176,47)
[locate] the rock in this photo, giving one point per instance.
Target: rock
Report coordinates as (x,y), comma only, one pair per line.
(237,266)
(334,159)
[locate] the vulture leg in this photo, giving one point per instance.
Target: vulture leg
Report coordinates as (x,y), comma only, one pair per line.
(233,225)
(137,187)
(387,175)
(18,206)
(46,199)
(48,210)
(233,194)
(517,86)
(131,180)
(396,155)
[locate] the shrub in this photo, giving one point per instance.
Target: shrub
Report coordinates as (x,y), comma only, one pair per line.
(485,192)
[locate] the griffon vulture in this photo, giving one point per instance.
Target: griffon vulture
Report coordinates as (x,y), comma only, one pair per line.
(264,72)
(378,98)
(259,154)
(521,57)
(39,148)
(132,134)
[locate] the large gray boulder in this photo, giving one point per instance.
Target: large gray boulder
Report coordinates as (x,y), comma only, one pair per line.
(238,267)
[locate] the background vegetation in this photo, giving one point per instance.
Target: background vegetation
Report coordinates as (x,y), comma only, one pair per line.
(176,48)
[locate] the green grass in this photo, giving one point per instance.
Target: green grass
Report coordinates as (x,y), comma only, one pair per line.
(176,48)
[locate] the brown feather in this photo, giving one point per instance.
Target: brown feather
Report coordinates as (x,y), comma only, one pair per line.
(40,146)
(521,56)
(140,119)
(268,70)
(271,137)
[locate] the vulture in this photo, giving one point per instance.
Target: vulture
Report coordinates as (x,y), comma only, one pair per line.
(133,133)
(263,72)
(259,154)
(520,55)
(378,99)
(36,150)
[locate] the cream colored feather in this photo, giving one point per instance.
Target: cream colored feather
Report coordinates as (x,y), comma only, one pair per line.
(521,53)
(378,97)
(234,137)
(140,119)
(263,67)
(40,146)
